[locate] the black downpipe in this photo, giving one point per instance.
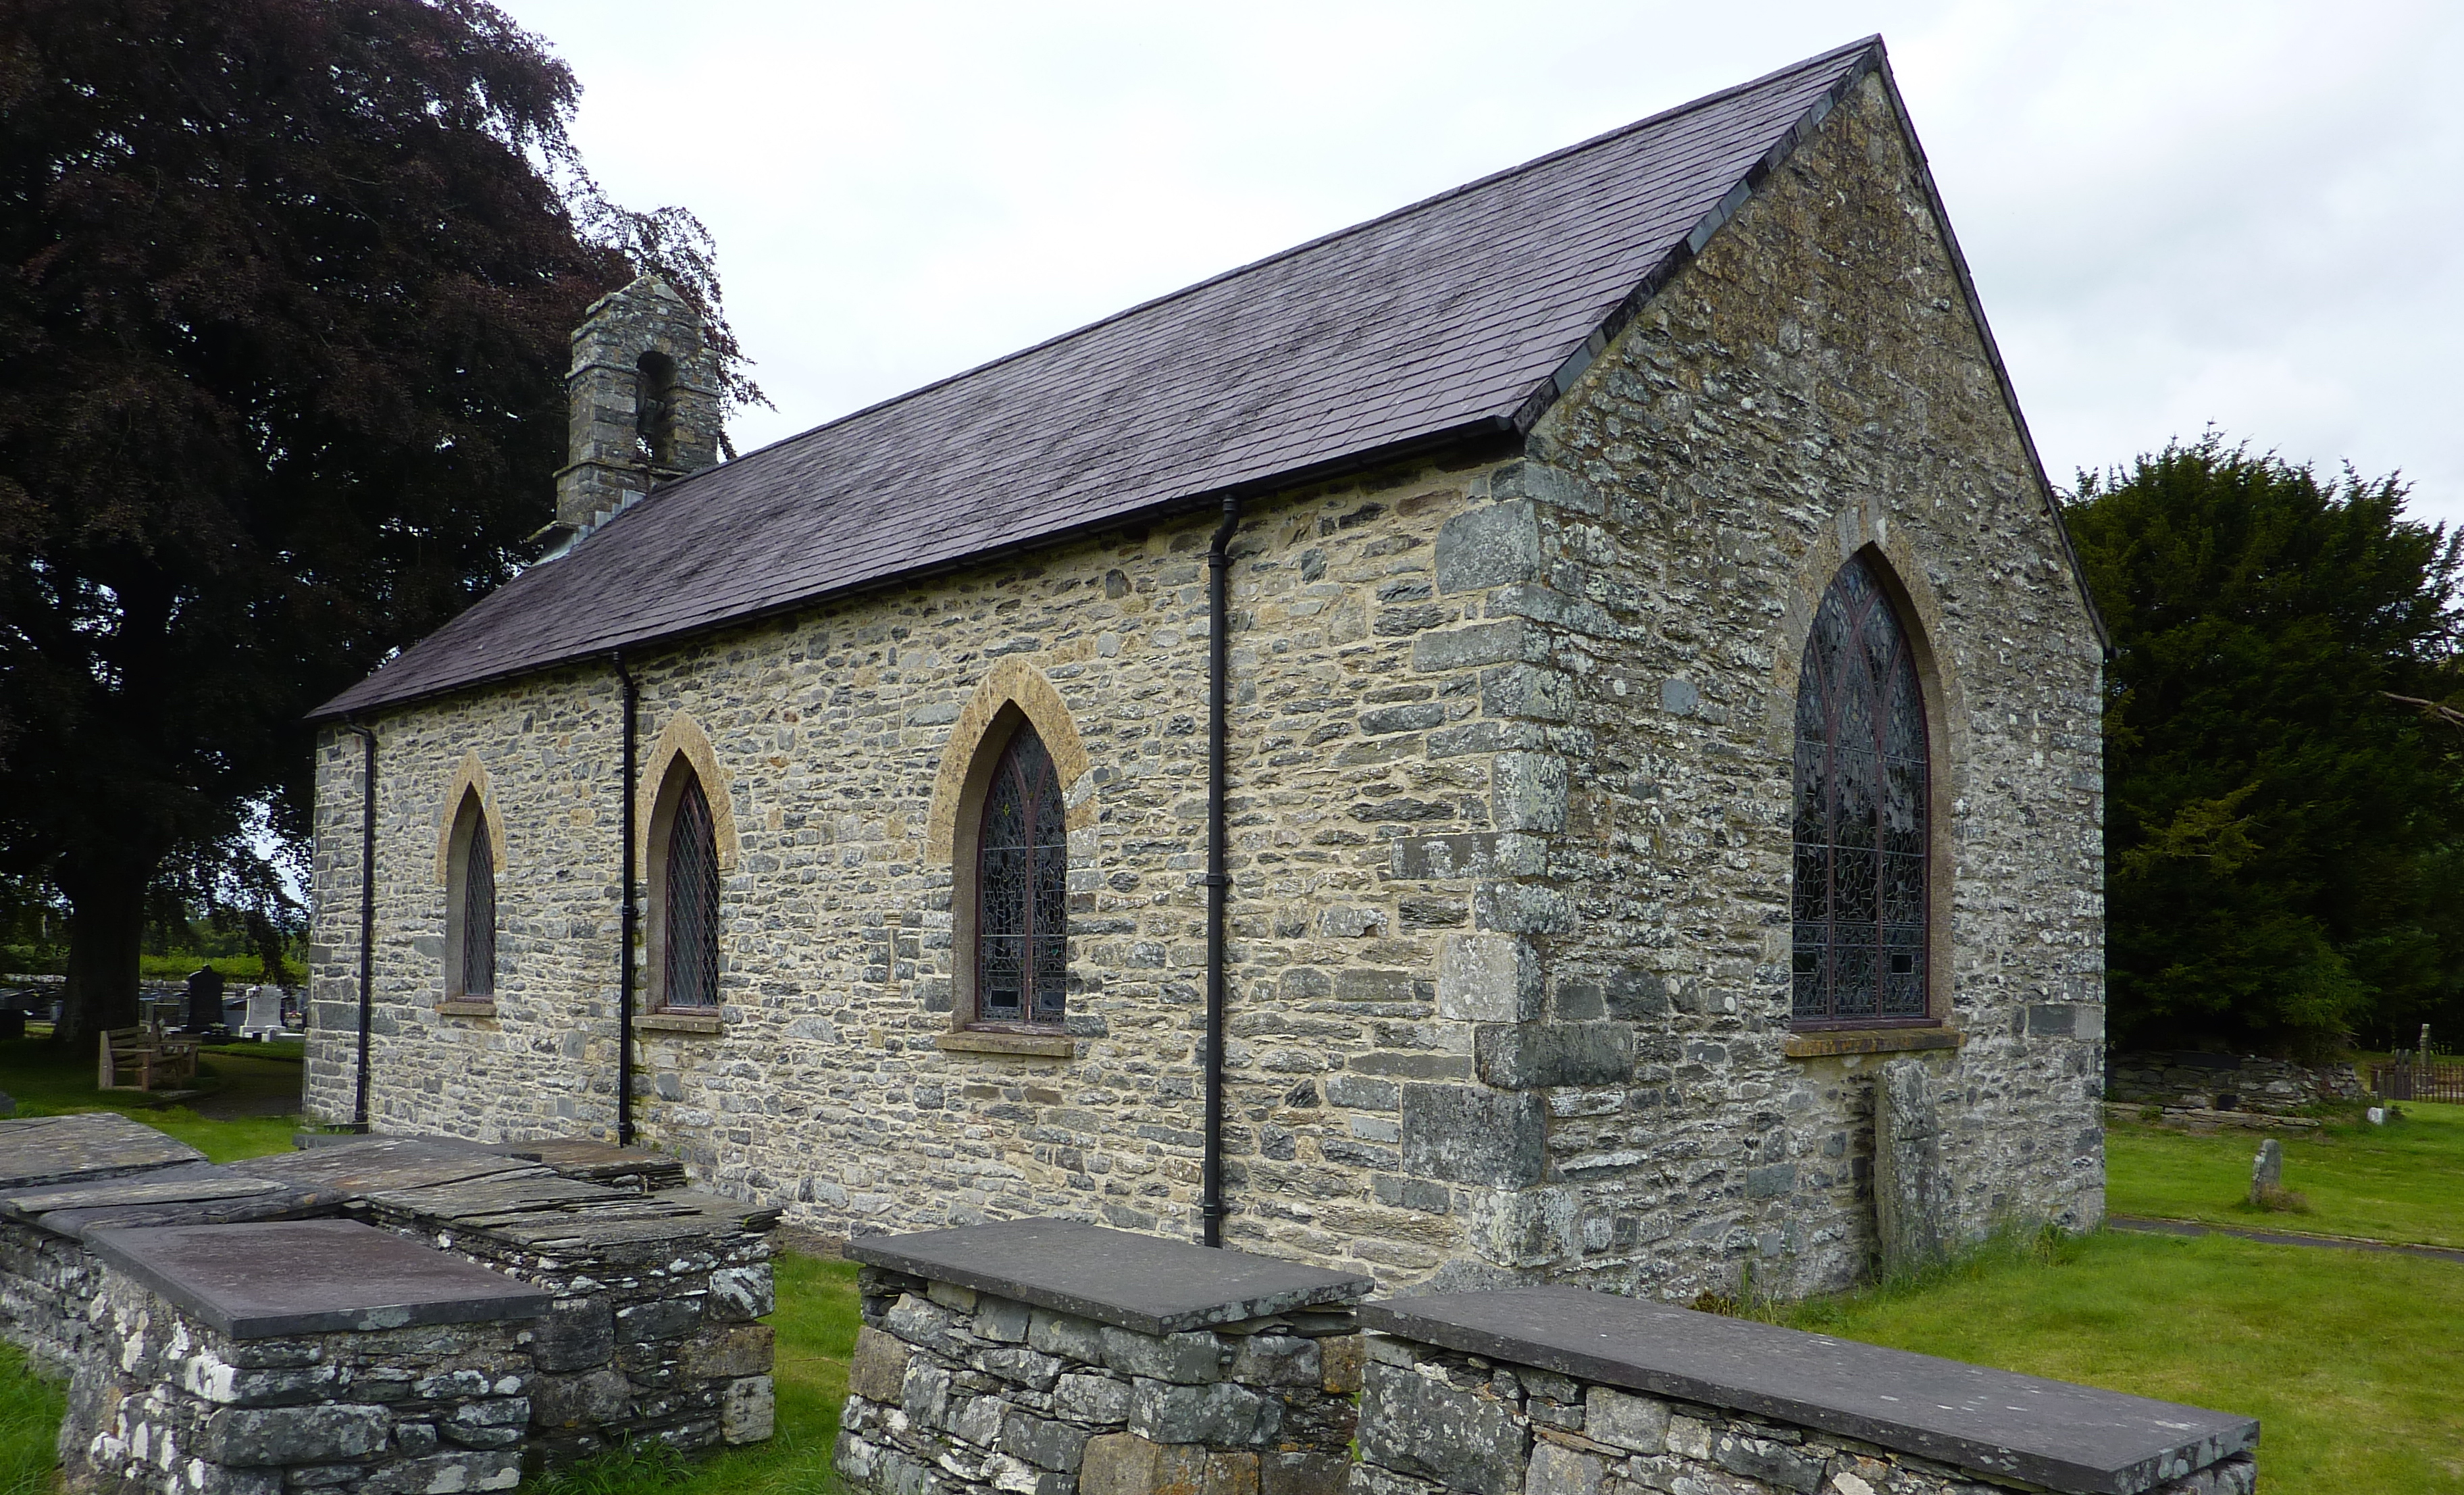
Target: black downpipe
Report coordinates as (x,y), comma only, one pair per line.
(367,915)
(625,919)
(1219,882)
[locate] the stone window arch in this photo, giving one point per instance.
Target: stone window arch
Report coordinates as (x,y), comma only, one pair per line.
(470,906)
(689,847)
(1013,812)
(470,856)
(1861,826)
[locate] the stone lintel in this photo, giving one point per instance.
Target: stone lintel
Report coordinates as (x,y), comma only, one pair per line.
(1032,1046)
(280,1278)
(2072,1438)
(466,1009)
(1828,1042)
(680,1022)
(1137,1282)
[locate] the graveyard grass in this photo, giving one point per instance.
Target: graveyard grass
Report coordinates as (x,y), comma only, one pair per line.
(2403,1181)
(2337,1354)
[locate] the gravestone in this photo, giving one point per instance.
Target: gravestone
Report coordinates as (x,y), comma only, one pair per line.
(1911,1195)
(2267,1169)
(264,1012)
(205,999)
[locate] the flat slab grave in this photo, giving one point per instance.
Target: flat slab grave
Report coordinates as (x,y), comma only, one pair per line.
(37,1150)
(1118,1277)
(280,1278)
(2049,1433)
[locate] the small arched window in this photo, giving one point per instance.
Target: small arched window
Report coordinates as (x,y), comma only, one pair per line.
(470,904)
(684,901)
(1862,824)
(654,409)
(1022,889)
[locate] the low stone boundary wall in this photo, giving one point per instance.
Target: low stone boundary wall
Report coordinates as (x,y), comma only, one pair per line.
(1047,1357)
(1067,1359)
(2187,1080)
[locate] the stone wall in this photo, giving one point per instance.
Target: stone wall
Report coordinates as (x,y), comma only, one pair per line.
(2205,1082)
(1510,835)
(959,1390)
(1434,1420)
(178,1408)
(953,1391)
(48,1286)
(645,1341)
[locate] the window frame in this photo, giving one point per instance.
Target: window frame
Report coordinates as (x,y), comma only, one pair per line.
(1889,596)
(470,832)
(659,891)
(966,903)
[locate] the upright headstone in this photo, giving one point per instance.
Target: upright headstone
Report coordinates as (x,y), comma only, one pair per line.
(1911,1195)
(205,999)
(264,1012)
(2266,1170)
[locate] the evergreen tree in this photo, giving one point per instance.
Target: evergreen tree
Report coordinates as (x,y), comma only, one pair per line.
(2282,837)
(285,289)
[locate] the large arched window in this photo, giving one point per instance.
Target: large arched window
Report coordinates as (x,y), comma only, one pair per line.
(1862,826)
(470,904)
(684,893)
(1022,889)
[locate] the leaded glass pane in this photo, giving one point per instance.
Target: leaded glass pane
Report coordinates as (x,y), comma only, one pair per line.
(1862,816)
(691,888)
(478,907)
(1022,883)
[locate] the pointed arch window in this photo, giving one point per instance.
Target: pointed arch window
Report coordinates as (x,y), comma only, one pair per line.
(470,904)
(1022,889)
(684,895)
(1862,824)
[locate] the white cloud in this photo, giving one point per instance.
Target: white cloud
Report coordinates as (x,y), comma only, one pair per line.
(2237,213)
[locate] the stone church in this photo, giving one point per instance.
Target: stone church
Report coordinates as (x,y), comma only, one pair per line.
(1461,750)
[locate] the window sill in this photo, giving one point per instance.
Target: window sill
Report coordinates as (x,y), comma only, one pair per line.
(680,1021)
(1036,1045)
(1835,1041)
(466,1009)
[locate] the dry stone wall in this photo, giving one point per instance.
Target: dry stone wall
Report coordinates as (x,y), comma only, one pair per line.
(181,1409)
(1508,823)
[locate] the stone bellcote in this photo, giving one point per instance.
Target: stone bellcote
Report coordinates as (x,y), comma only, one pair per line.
(641,401)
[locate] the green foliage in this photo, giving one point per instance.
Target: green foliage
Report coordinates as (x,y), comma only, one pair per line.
(2282,839)
(287,294)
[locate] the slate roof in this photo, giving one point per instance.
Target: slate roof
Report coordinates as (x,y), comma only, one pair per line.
(1459,315)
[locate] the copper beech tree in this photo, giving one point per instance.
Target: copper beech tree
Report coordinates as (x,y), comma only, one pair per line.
(285,286)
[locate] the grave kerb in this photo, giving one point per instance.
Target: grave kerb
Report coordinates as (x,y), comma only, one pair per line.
(1117,1277)
(2076,1440)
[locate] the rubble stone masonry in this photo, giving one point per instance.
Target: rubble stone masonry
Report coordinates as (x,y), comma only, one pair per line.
(1510,824)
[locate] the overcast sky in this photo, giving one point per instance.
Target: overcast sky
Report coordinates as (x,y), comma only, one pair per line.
(2245,214)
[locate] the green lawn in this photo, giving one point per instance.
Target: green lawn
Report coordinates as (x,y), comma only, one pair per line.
(2403,1181)
(31,1409)
(2325,1348)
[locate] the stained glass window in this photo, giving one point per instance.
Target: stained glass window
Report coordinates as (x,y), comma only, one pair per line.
(1861,824)
(478,905)
(690,970)
(1022,889)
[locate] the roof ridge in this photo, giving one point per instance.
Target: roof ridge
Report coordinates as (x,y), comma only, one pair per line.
(1707,100)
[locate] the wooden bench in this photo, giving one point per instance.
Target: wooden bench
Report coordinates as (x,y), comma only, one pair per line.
(147,1055)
